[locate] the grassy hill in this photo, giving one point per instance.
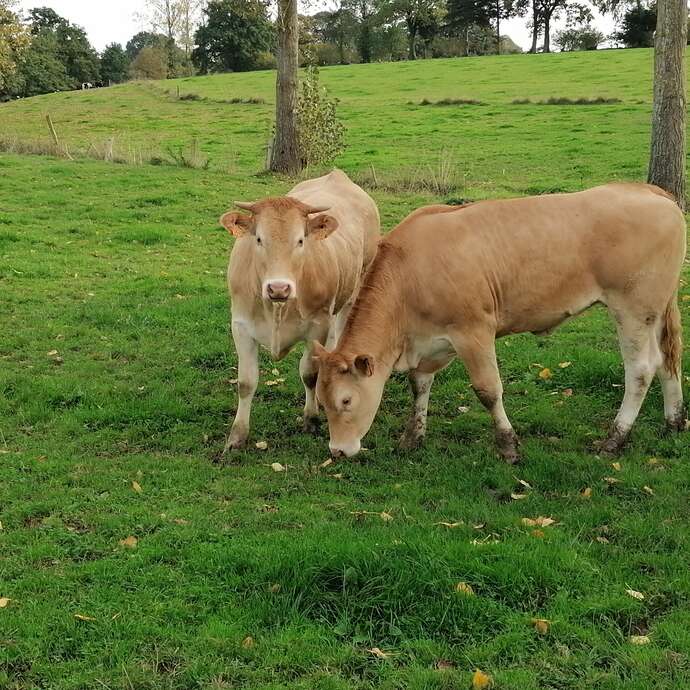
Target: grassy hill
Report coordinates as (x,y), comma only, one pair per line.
(116,385)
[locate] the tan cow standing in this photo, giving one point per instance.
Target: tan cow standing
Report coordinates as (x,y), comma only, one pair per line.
(293,275)
(448,281)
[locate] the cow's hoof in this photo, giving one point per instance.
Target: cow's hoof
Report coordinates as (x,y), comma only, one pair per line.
(312,425)
(613,444)
(679,421)
(410,441)
(507,443)
(234,443)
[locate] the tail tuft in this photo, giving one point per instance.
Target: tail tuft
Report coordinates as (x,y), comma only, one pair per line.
(671,337)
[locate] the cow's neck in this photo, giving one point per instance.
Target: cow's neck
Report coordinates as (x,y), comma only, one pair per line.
(375,325)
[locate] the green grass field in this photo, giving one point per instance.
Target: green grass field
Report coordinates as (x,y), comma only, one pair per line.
(115,370)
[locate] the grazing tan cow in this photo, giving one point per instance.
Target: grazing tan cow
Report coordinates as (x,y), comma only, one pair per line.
(294,273)
(448,281)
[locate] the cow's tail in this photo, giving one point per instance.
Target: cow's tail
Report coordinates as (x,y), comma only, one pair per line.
(671,337)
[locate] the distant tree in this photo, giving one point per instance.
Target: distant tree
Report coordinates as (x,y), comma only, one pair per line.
(44,19)
(42,71)
(422,19)
(165,16)
(144,39)
(114,64)
(232,36)
(339,28)
(467,17)
(548,10)
(365,12)
(150,63)
(637,27)
(579,38)
(14,42)
(191,16)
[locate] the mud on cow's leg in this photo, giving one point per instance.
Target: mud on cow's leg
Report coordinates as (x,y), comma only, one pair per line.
(308,371)
(247,381)
(416,424)
(477,350)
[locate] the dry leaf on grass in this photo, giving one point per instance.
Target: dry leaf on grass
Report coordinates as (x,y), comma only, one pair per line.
(518,497)
(463,409)
(612,480)
(639,639)
(248,642)
(277,467)
(616,466)
(450,525)
(464,588)
(379,653)
(540,521)
(634,594)
(82,617)
(4,601)
(587,492)
(274,588)
(481,680)
(326,463)
(545,373)
(539,533)
(52,353)
(261,445)
(564,365)
(567,392)
(444,665)
(129,543)
(137,487)
(541,625)
(603,540)
(386,517)
(648,490)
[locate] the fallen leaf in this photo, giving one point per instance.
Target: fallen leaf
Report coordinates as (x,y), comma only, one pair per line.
(337,476)
(545,373)
(274,588)
(612,480)
(386,517)
(587,492)
(277,467)
(603,540)
(564,365)
(444,665)
(261,445)
(463,409)
(450,525)
(181,521)
(82,617)
(275,372)
(639,639)
(233,381)
(567,392)
(539,533)
(527,485)
(653,462)
(3,602)
(648,489)
(616,466)
(129,542)
(481,680)
(378,653)
(540,521)
(464,588)
(137,487)
(326,463)
(541,625)
(52,353)
(634,594)
(518,497)
(685,298)
(248,642)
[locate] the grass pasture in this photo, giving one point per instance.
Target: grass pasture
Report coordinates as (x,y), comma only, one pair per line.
(115,370)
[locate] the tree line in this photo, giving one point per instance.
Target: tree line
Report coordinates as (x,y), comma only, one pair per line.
(42,52)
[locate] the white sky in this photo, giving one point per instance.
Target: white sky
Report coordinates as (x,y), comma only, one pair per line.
(109,21)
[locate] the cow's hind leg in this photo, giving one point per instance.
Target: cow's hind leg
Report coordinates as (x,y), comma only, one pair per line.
(639,344)
(308,371)
(477,350)
(416,425)
(247,381)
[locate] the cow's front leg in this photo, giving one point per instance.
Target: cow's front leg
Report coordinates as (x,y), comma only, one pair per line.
(308,371)
(247,380)
(477,350)
(416,425)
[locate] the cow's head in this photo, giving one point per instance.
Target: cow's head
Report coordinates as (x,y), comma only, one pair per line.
(350,390)
(281,229)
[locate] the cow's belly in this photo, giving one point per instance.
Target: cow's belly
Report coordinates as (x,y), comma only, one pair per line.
(426,353)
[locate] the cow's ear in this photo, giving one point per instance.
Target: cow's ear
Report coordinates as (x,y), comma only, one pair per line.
(364,365)
(321,226)
(318,352)
(237,224)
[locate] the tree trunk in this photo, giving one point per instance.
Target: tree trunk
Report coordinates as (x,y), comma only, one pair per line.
(547,33)
(286,151)
(412,52)
(498,27)
(535,27)
(667,162)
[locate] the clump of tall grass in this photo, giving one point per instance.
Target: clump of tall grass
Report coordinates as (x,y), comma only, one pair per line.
(451,101)
(560,100)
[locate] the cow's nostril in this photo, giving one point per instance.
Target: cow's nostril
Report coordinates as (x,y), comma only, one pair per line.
(278,290)
(336,453)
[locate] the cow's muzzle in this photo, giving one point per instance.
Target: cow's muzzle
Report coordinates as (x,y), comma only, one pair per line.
(279,291)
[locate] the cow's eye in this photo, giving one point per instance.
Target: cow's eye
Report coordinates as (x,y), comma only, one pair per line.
(258,240)
(346,402)
(300,242)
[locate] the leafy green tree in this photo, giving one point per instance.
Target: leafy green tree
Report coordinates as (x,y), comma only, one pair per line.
(150,63)
(14,42)
(42,71)
(232,36)
(144,39)
(422,19)
(365,13)
(44,19)
(579,38)
(114,64)
(637,27)
(338,28)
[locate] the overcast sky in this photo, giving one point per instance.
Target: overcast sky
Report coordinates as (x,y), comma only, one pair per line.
(108,21)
